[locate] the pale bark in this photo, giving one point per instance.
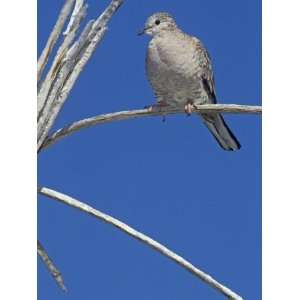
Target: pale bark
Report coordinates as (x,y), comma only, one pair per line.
(61,67)
(67,78)
(58,62)
(65,69)
(68,65)
(50,266)
(61,20)
(78,6)
(125,115)
(142,238)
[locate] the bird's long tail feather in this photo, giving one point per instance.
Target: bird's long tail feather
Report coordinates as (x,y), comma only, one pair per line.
(224,136)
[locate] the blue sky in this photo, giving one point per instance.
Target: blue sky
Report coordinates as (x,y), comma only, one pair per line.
(170,180)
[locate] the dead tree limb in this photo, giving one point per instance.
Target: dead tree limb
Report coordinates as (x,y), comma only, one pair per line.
(142,238)
(69,61)
(132,114)
(50,266)
(68,64)
(58,27)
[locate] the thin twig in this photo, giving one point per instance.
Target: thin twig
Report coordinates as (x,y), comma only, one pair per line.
(140,237)
(124,115)
(54,36)
(50,266)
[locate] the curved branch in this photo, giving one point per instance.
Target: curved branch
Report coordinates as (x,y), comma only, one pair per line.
(124,115)
(140,237)
(50,266)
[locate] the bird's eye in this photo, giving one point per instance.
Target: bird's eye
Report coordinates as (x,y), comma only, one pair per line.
(157,22)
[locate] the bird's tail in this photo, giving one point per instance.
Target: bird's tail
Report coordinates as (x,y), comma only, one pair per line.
(224,136)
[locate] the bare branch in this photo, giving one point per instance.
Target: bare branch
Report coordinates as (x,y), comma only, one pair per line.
(72,65)
(124,115)
(78,6)
(69,75)
(50,266)
(54,36)
(108,13)
(68,63)
(140,237)
(57,73)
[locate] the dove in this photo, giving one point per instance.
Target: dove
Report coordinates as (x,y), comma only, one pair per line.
(180,72)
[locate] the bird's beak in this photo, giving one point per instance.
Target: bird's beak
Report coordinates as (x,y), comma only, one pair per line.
(141,32)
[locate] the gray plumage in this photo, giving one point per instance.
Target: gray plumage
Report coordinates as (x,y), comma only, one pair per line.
(180,72)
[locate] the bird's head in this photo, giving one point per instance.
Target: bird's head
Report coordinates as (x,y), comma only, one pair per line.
(157,23)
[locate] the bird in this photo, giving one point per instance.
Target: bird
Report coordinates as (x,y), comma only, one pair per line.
(180,72)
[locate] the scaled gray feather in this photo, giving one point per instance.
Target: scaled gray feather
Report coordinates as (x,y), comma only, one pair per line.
(180,71)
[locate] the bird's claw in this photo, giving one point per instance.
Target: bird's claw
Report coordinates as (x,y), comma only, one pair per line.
(188,108)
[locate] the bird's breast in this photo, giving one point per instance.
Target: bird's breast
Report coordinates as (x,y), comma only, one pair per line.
(173,54)
(172,69)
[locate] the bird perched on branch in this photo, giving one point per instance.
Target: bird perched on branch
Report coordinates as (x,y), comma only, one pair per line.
(180,72)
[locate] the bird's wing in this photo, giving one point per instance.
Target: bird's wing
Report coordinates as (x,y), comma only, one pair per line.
(207,75)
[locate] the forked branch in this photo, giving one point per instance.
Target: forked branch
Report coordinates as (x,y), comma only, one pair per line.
(142,238)
(69,62)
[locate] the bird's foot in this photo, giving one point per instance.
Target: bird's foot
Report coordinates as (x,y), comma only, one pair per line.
(188,108)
